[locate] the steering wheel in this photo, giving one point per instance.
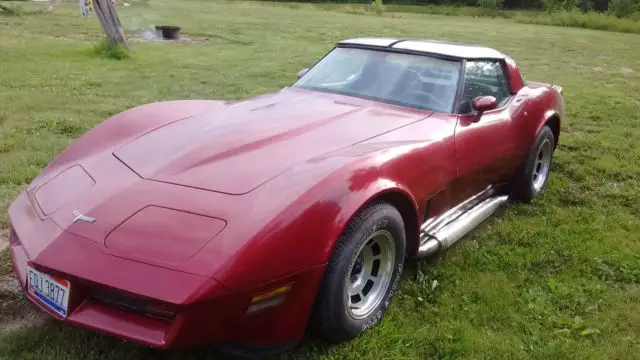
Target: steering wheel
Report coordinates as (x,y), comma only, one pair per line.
(473,89)
(422,95)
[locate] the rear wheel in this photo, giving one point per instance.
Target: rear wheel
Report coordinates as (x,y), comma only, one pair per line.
(362,274)
(533,176)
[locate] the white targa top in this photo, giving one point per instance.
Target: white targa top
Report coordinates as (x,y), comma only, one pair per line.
(462,51)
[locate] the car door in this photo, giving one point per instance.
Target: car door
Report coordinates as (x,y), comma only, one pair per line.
(484,143)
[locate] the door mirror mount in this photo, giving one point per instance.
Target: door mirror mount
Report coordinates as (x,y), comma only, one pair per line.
(302,72)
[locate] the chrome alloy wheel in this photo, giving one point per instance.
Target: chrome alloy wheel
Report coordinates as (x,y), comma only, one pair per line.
(542,165)
(370,274)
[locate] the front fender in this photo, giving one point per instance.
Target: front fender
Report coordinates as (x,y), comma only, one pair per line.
(309,219)
(353,201)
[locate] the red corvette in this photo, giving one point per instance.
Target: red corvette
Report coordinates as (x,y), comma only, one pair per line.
(243,223)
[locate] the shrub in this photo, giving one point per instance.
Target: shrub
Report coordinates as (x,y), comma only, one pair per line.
(451,10)
(108,50)
(490,4)
(623,8)
(551,6)
(355,10)
(377,6)
(589,20)
(11,10)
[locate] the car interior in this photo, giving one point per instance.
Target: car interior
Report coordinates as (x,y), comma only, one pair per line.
(489,81)
(414,85)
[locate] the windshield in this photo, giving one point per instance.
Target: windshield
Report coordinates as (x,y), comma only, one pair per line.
(417,81)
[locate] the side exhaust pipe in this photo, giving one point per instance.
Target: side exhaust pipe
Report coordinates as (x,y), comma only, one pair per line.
(439,239)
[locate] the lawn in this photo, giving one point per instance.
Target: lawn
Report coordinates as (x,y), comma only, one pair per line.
(557,279)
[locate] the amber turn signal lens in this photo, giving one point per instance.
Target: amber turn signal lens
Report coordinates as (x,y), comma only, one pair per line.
(268,299)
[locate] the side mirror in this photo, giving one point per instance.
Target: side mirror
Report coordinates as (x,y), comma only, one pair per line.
(302,72)
(483,103)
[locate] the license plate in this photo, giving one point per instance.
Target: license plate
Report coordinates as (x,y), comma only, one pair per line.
(53,292)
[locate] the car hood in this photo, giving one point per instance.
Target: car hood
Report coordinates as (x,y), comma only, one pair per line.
(240,146)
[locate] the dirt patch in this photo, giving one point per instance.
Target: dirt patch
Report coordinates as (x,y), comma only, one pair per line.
(150,35)
(27,319)
(9,285)
(4,240)
(15,310)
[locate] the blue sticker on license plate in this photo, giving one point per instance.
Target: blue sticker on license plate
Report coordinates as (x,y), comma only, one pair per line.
(52,292)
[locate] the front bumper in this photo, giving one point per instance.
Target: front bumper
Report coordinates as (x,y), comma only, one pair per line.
(88,311)
(211,314)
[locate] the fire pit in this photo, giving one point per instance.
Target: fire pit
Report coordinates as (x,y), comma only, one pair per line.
(168,32)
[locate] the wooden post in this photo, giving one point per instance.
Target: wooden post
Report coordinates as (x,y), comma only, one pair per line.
(110,22)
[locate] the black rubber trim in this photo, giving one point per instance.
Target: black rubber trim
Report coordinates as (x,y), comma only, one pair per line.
(396,42)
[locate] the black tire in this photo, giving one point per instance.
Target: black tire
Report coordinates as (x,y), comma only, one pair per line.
(332,319)
(525,187)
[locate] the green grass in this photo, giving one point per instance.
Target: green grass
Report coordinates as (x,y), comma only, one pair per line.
(590,20)
(360,8)
(557,279)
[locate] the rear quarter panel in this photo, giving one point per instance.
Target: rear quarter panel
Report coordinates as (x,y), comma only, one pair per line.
(541,104)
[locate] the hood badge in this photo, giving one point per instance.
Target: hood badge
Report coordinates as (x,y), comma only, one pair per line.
(80,217)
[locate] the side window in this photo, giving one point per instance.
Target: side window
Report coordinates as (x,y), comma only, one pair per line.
(484,78)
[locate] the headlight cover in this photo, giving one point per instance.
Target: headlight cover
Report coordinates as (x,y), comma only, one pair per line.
(162,235)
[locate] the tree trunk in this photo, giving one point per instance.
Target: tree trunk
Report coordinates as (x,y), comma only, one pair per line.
(110,22)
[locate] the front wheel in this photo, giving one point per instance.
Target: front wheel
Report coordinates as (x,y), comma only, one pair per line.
(361,275)
(533,176)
